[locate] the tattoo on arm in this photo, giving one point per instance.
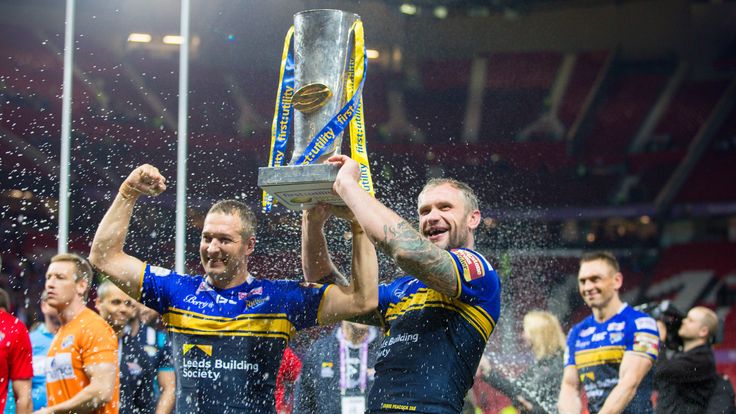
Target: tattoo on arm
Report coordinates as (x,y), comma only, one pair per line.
(336,278)
(419,257)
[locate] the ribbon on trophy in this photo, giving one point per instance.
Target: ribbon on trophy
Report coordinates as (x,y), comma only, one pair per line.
(350,115)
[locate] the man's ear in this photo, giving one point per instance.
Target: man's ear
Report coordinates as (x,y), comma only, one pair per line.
(474,219)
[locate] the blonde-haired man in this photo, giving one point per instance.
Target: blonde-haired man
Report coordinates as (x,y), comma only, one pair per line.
(81,368)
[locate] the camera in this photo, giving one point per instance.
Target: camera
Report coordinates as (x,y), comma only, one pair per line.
(670,316)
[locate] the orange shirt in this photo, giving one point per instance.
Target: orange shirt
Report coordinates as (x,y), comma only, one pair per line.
(86,340)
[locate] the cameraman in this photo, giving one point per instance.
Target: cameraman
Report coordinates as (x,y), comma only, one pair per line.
(686,380)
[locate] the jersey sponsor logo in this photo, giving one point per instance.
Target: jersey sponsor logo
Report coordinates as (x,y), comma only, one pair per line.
(160,271)
(223,300)
(210,367)
(59,367)
(616,337)
(202,304)
(616,326)
(600,336)
(646,323)
(472,266)
(588,375)
(256,302)
(207,349)
(587,331)
(581,344)
(253,292)
(327,370)
(68,341)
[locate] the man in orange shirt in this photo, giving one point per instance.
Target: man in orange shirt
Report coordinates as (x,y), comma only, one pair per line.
(82,364)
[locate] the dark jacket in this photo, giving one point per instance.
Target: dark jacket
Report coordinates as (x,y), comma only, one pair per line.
(318,386)
(685,381)
(539,384)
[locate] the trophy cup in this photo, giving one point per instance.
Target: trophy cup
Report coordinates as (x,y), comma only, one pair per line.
(322,73)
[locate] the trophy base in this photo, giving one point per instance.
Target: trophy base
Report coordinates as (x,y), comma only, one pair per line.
(300,187)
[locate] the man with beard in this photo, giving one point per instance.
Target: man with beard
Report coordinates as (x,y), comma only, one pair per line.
(438,317)
(228,328)
(610,352)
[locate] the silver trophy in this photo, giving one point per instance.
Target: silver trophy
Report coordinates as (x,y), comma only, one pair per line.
(322,41)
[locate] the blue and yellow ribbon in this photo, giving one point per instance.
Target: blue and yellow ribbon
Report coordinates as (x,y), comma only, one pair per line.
(351,115)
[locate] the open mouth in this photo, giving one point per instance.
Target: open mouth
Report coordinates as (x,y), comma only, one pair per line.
(435,233)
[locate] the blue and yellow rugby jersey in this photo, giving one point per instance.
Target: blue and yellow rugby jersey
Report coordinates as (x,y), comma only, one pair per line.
(228,344)
(596,350)
(434,342)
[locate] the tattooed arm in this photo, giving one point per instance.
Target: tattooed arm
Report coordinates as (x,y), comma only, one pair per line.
(393,235)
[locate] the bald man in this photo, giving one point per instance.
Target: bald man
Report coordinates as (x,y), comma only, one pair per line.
(686,380)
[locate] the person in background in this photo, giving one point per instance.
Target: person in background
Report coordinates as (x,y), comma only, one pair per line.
(41,338)
(338,370)
(611,352)
(148,329)
(535,391)
(137,370)
(82,365)
(15,358)
(291,367)
(686,380)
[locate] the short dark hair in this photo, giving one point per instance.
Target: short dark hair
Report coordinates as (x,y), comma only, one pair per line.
(4,300)
(235,207)
(84,269)
(603,255)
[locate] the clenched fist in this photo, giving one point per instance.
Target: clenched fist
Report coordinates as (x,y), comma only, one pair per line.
(145,179)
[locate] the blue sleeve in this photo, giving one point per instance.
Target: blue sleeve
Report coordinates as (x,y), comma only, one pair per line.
(643,336)
(570,348)
(303,301)
(478,283)
(384,297)
(156,287)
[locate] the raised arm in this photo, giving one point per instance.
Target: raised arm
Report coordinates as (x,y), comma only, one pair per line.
(393,235)
(633,368)
(107,253)
(316,262)
(361,295)
(569,401)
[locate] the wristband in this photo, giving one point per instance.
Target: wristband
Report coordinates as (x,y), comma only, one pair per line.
(128,192)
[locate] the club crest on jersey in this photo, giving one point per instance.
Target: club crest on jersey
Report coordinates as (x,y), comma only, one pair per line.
(616,337)
(471,265)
